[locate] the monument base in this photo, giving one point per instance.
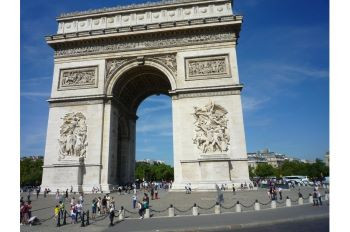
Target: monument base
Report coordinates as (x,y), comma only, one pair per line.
(210,186)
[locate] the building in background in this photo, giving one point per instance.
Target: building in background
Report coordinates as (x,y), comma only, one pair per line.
(33,157)
(149,161)
(326,158)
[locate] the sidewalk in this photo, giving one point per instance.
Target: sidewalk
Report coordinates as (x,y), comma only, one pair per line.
(222,222)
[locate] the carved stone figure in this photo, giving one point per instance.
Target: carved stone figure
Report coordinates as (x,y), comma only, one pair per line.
(207,67)
(73,136)
(78,77)
(211,133)
(169,60)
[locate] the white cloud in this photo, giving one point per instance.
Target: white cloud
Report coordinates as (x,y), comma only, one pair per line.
(250,103)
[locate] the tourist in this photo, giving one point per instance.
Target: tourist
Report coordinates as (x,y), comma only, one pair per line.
(319,197)
(45,192)
(24,213)
(61,205)
(66,193)
(233,189)
(280,192)
(99,205)
(134,200)
(111,215)
(28,195)
(146,199)
(152,193)
(250,186)
(189,188)
(79,207)
(37,192)
(21,211)
(108,199)
(156,193)
(72,201)
(73,214)
(71,189)
(81,198)
(112,202)
(104,205)
(94,208)
(315,199)
(57,195)
(141,209)
(57,211)
(29,206)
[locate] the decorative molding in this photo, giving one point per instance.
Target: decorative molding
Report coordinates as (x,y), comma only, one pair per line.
(169,60)
(205,94)
(209,67)
(211,132)
(73,136)
(146,42)
(78,78)
(112,65)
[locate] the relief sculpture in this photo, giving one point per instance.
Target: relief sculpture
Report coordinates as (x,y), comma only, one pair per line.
(207,67)
(73,136)
(211,133)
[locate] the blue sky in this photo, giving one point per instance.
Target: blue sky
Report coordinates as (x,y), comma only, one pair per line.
(283,62)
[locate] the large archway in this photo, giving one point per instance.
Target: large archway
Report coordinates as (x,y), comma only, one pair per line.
(129,90)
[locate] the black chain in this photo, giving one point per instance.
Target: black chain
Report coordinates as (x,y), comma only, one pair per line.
(159,211)
(47,219)
(279,202)
(206,208)
(130,211)
(183,211)
(245,206)
(229,207)
(294,200)
(267,203)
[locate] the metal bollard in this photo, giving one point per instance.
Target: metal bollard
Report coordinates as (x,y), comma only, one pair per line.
(238,207)
(257,205)
(273,204)
(311,200)
(195,210)
(217,209)
(326,197)
(82,219)
(300,201)
(121,214)
(64,217)
(87,217)
(171,211)
(59,219)
(288,202)
(147,213)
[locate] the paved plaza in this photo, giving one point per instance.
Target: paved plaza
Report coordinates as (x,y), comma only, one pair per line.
(43,208)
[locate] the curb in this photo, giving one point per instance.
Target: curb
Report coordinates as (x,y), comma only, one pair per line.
(241,226)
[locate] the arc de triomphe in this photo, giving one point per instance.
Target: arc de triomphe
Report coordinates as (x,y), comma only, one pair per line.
(108,61)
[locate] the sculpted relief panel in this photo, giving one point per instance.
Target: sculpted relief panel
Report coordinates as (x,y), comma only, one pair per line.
(211,133)
(78,78)
(73,136)
(207,67)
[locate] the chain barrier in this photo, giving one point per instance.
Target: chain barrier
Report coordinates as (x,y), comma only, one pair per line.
(130,211)
(294,200)
(42,221)
(245,206)
(183,211)
(267,203)
(279,202)
(229,207)
(206,208)
(160,211)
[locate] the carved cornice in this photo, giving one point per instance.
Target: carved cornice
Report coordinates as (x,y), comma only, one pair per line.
(148,41)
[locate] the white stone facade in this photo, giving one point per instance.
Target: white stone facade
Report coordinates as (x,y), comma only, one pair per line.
(104,71)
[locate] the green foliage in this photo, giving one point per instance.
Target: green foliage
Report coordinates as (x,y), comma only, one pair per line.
(31,172)
(264,170)
(290,168)
(155,172)
(251,172)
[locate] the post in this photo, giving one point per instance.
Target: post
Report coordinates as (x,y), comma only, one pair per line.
(195,210)
(273,204)
(311,200)
(238,207)
(147,214)
(257,205)
(82,219)
(121,214)
(171,211)
(288,202)
(87,217)
(300,201)
(59,219)
(64,217)
(326,197)
(217,209)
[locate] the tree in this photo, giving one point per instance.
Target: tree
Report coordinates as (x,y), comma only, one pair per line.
(251,172)
(31,172)
(264,170)
(154,172)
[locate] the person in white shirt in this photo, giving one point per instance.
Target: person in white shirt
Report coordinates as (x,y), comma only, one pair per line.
(79,209)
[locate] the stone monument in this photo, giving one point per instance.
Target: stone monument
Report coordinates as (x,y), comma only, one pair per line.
(107,61)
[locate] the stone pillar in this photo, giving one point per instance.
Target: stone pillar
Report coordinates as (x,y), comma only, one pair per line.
(147,213)
(195,210)
(238,207)
(217,209)
(171,211)
(121,214)
(273,204)
(257,205)
(326,197)
(311,200)
(300,201)
(288,202)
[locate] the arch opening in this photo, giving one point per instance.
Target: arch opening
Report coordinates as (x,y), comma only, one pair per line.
(129,91)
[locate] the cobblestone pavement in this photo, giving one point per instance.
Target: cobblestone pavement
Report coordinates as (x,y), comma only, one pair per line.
(43,207)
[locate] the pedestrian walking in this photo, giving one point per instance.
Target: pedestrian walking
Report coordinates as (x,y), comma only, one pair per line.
(71,189)
(37,192)
(62,208)
(315,199)
(134,200)
(79,208)
(81,198)
(152,193)
(233,189)
(280,192)
(319,197)
(72,201)
(104,205)
(73,214)
(99,205)
(111,215)
(45,192)
(141,209)
(67,194)
(156,194)
(56,211)
(57,194)
(94,208)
